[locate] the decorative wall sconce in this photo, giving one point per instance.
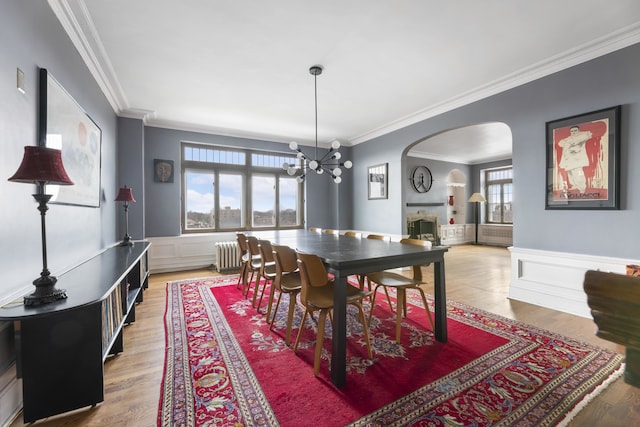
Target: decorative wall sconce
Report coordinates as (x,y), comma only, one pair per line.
(42,165)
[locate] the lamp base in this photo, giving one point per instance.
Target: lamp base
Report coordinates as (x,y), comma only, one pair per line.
(45,293)
(126,241)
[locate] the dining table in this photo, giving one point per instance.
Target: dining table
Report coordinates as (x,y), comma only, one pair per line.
(345,256)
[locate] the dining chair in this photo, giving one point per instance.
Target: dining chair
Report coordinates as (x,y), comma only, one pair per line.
(330,231)
(267,269)
(253,267)
(390,279)
(379,237)
(316,294)
(287,281)
(364,280)
(244,260)
(315,229)
(352,234)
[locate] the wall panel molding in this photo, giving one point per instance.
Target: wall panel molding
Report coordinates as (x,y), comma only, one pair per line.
(555,279)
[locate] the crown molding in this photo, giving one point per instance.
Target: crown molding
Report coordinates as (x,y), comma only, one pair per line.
(612,42)
(76,21)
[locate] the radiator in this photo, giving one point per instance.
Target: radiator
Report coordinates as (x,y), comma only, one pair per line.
(227,256)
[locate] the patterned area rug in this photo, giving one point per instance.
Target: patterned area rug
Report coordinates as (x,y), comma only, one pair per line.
(224,367)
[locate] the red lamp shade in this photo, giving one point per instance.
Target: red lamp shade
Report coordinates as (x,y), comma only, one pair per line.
(125,195)
(41,164)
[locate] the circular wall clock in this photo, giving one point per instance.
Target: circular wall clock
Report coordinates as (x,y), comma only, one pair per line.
(421,179)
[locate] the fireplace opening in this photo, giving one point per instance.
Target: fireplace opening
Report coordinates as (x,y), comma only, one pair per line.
(424,227)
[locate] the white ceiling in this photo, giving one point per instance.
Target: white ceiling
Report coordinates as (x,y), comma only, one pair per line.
(240,68)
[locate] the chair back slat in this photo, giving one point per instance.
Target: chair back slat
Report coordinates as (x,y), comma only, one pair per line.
(266,251)
(285,258)
(417,269)
(315,271)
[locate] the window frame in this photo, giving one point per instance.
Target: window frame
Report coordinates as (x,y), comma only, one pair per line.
(501,183)
(247,170)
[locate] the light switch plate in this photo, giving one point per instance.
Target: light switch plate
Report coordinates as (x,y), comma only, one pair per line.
(20,81)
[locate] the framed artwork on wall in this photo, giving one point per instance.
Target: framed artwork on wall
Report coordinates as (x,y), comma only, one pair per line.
(64,125)
(583,161)
(162,170)
(377,181)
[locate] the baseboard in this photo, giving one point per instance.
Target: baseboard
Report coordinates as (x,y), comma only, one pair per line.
(555,279)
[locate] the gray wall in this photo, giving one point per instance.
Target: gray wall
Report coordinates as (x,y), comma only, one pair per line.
(328,205)
(32,37)
(604,82)
(39,40)
(439,192)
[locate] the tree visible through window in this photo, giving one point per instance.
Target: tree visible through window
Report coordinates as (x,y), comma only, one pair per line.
(499,194)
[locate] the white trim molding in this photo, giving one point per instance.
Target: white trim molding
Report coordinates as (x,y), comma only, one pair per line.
(555,279)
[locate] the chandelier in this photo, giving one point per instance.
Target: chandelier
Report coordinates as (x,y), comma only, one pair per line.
(330,162)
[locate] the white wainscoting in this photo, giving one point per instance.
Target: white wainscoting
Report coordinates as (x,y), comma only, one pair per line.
(185,252)
(555,279)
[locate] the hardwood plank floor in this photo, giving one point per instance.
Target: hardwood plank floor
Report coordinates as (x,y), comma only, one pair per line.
(478,276)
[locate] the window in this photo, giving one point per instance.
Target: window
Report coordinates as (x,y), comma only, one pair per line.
(499,191)
(232,189)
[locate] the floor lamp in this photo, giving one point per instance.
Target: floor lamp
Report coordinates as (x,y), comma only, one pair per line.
(41,165)
(477,198)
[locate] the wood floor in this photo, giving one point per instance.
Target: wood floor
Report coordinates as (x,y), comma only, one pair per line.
(476,275)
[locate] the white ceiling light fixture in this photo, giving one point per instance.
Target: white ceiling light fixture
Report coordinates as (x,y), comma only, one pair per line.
(330,162)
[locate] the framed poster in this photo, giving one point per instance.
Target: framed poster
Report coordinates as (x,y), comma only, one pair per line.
(377,181)
(64,125)
(583,161)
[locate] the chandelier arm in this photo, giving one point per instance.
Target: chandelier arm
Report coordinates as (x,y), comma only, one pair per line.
(326,155)
(329,162)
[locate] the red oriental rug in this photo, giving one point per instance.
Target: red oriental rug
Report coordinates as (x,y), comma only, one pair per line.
(224,367)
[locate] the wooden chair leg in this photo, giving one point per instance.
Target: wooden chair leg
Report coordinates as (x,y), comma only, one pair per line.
(304,317)
(373,302)
(426,307)
(292,309)
(264,286)
(241,277)
(272,292)
(248,285)
(386,292)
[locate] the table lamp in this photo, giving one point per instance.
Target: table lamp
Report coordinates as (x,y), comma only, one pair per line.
(42,165)
(126,195)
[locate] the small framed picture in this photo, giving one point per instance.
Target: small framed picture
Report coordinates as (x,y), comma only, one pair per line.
(583,158)
(162,170)
(377,181)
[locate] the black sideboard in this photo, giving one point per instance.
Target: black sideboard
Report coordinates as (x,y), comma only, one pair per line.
(61,346)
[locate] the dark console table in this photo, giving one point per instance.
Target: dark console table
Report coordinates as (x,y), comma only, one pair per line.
(61,346)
